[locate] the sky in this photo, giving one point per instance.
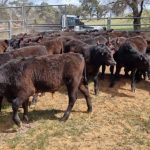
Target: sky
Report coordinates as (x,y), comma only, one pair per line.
(74,2)
(57,2)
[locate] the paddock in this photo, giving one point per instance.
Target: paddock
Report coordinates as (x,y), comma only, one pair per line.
(120,120)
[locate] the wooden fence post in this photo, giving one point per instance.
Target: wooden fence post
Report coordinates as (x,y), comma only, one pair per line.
(10,28)
(109,23)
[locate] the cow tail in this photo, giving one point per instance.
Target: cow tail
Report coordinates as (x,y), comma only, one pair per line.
(85,76)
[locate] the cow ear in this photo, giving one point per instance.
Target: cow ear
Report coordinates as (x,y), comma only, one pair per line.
(6,41)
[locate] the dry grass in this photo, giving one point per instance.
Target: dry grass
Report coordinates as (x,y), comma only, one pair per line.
(120,121)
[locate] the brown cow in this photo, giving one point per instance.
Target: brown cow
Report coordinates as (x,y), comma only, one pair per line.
(21,78)
(137,42)
(95,40)
(115,34)
(23,52)
(3,46)
(54,46)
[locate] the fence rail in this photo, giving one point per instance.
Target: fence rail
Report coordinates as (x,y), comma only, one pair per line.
(119,23)
(27,22)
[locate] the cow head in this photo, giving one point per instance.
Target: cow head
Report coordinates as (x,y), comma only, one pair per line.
(115,43)
(15,43)
(103,55)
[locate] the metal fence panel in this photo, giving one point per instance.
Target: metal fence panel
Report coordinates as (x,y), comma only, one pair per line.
(14,20)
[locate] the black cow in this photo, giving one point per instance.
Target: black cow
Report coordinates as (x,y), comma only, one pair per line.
(22,52)
(132,59)
(95,56)
(21,78)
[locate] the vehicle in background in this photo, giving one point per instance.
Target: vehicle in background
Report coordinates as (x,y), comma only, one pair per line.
(73,22)
(66,22)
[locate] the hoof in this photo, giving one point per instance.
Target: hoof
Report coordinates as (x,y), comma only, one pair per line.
(111,85)
(62,120)
(89,110)
(96,93)
(25,118)
(102,77)
(133,90)
(19,124)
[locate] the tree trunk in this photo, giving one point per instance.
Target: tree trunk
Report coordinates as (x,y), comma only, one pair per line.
(137,24)
(137,12)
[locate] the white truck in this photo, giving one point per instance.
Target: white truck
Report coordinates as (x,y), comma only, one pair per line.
(66,22)
(73,22)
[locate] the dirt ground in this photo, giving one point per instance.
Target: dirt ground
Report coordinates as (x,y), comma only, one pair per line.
(120,121)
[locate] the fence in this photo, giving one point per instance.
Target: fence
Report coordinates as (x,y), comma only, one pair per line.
(119,23)
(30,19)
(14,20)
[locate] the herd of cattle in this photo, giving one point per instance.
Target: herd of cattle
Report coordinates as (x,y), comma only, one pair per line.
(42,62)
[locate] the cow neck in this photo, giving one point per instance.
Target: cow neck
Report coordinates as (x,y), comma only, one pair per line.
(93,57)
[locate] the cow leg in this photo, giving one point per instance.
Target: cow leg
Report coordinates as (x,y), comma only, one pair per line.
(118,68)
(103,72)
(96,81)
(144,75)
(22,99)
(126,70)
(15,106)
(72,94)
(25,108)
(72,99)
(96,84)
(84,90)
(133,80)
(34,99)
(148,74)
(138,76)
(116,77)
(112,76)
(1,100)
(111,70)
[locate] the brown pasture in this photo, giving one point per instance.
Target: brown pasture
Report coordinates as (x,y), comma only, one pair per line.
(120,121)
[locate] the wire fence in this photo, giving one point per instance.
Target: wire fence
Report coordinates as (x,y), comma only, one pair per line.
(14,20)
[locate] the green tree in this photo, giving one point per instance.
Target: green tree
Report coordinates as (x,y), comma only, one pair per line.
(90,6)
(46,14)
(72,10)
(4,14)
(136,6)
